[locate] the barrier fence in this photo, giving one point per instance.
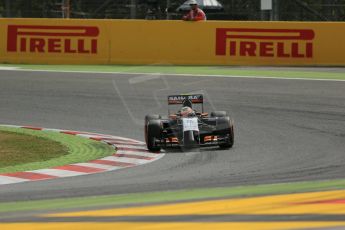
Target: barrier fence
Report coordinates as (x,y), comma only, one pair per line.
(73,41)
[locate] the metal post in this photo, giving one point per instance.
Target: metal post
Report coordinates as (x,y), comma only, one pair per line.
(68,8)
(168,8)
(8,8)
(133,9)
(269,15)
(266,10)
(63,8)
(262,15)
(275,10)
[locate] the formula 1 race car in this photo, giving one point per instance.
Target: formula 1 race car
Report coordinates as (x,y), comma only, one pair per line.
(188,128)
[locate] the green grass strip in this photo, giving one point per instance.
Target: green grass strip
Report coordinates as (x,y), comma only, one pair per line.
(172,196)
(197,70)
(18,148)
(79,150)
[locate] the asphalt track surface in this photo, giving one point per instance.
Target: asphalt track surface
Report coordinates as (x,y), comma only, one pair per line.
(286,130)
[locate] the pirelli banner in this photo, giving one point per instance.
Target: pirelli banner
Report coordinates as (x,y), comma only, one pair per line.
(59,41)
(52,41)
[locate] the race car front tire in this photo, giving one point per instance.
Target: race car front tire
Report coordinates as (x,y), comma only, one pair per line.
(152,117)
(218,114)
(154,131)
(225,132)
(147,119)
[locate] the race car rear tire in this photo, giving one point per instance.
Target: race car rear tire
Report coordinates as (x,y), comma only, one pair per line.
(218,114)
(154,131)
(225,131)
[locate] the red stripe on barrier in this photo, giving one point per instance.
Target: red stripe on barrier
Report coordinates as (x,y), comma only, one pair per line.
(76,133)
(70,132)
(31,127)
(112,163)
(78,168)
(29,175)
(133,156)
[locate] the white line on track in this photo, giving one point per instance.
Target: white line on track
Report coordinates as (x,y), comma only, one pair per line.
(58,172)
(126,160)
(10,180)
(99,166)
(137,153)
(183,75)
(148,154)
(131,146)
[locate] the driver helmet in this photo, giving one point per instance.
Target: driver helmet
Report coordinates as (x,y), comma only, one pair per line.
(186,111)
(193,2)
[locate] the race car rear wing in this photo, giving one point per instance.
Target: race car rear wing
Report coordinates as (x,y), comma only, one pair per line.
(186,100)
(180,99)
